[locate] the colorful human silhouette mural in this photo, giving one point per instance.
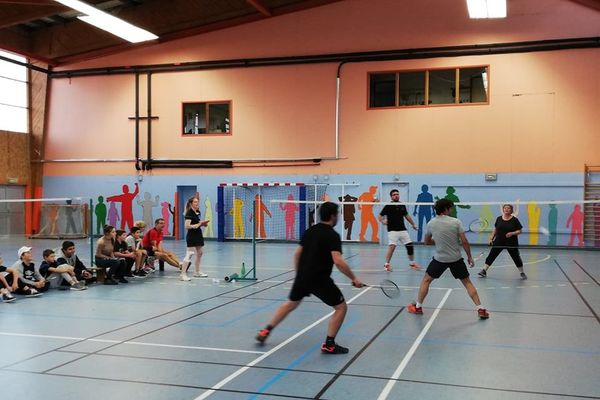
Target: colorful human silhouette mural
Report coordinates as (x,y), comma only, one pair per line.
(173,219)
(126,200)
(425,212)
(147,205)
(239,229)
(208,216)
(533,214)
(260,209)
(100,211)
(451,195)
(348,212)
(552,224)
(367,218)
(575,222)
(113,214)
(69,211)
(289,216)
(52,221)
(165,213)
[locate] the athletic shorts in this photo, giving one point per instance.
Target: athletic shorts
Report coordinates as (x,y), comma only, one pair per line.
(149,251)
(325,290)
(398,238)
(458,269)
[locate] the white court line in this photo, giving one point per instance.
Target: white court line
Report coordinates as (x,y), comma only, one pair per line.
(240,371)
(132,343)
(392,381)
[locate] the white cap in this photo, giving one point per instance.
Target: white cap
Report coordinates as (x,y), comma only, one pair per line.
(22,250)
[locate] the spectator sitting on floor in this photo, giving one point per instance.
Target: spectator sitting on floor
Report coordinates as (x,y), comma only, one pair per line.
(30,282)
(5,288)
(66,255)
(59,276)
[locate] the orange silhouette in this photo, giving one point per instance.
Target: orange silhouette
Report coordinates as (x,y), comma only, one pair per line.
(366,216)
(260,210)
(576,222)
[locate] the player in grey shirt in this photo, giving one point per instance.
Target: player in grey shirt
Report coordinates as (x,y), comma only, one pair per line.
(448,235)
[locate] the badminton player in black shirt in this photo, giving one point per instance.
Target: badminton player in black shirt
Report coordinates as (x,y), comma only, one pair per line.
(319,250)
(505,236)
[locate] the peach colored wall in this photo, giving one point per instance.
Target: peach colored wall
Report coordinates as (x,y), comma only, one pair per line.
(541,117)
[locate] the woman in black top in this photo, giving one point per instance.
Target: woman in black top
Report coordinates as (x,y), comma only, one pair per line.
(193,239)
(505,236)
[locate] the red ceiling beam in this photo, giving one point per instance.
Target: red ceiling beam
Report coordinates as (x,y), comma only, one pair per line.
(593,4)
(260,7)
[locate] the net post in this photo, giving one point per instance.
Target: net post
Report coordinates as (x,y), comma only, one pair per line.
(302,212)
(91,232)
(220,214)
(254,227)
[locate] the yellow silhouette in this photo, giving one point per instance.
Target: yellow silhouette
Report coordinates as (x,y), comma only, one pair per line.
(239,230)
(533,213)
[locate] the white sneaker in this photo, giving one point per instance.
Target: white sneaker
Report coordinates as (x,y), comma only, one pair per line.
(200,275)
(184,277)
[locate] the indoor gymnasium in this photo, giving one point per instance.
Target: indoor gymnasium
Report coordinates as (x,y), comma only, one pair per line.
(299,199)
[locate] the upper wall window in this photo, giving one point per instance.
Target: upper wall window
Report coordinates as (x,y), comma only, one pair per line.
(213,118)
(14,111)
(451,86)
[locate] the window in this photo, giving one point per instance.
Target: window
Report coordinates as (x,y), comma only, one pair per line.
(207,118)
(450,86)
(14,111)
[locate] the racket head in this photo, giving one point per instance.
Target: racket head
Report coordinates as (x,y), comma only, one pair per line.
(478,225)
(389,289)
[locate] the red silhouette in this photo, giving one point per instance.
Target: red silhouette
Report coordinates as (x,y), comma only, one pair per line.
(290,210)
(126,200)
(260,210)
(366,216)
(576,222)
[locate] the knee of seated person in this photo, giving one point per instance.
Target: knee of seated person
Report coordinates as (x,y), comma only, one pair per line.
(410,249)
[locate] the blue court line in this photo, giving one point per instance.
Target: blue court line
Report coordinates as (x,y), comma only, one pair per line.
(283,373)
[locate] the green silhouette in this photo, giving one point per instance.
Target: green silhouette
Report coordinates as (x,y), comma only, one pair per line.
(552,224)
(453,198)
(100,211)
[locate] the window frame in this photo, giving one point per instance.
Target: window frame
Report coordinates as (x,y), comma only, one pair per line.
(456,103)
(27,83)
(207,114)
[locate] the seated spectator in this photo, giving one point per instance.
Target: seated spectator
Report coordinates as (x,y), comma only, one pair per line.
(59,276)
(5,288)
(66,255)
(105,258)
(134,244)
(30,282)
(152,243)
(121,250)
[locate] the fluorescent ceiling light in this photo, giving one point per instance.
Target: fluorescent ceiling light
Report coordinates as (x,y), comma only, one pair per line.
(109,23)
(487,8)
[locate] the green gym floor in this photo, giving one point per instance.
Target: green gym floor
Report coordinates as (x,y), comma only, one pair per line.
(161,338)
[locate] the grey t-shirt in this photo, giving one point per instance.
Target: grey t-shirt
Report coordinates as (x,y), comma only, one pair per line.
(445,232)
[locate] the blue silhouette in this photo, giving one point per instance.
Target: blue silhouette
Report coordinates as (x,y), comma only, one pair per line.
(425,211)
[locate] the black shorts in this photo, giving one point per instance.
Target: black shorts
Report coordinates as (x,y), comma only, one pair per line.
(149,251)
(325,290)
(458,269)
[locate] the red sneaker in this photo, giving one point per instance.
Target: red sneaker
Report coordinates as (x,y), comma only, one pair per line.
(263,334)
(413,309)
(483,314)
(333,349)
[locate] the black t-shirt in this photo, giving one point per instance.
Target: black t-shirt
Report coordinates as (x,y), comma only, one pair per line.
(2,268)
(316,262)
(193,216)
(395,217)
(45,268)
(120,247)
(503,227)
